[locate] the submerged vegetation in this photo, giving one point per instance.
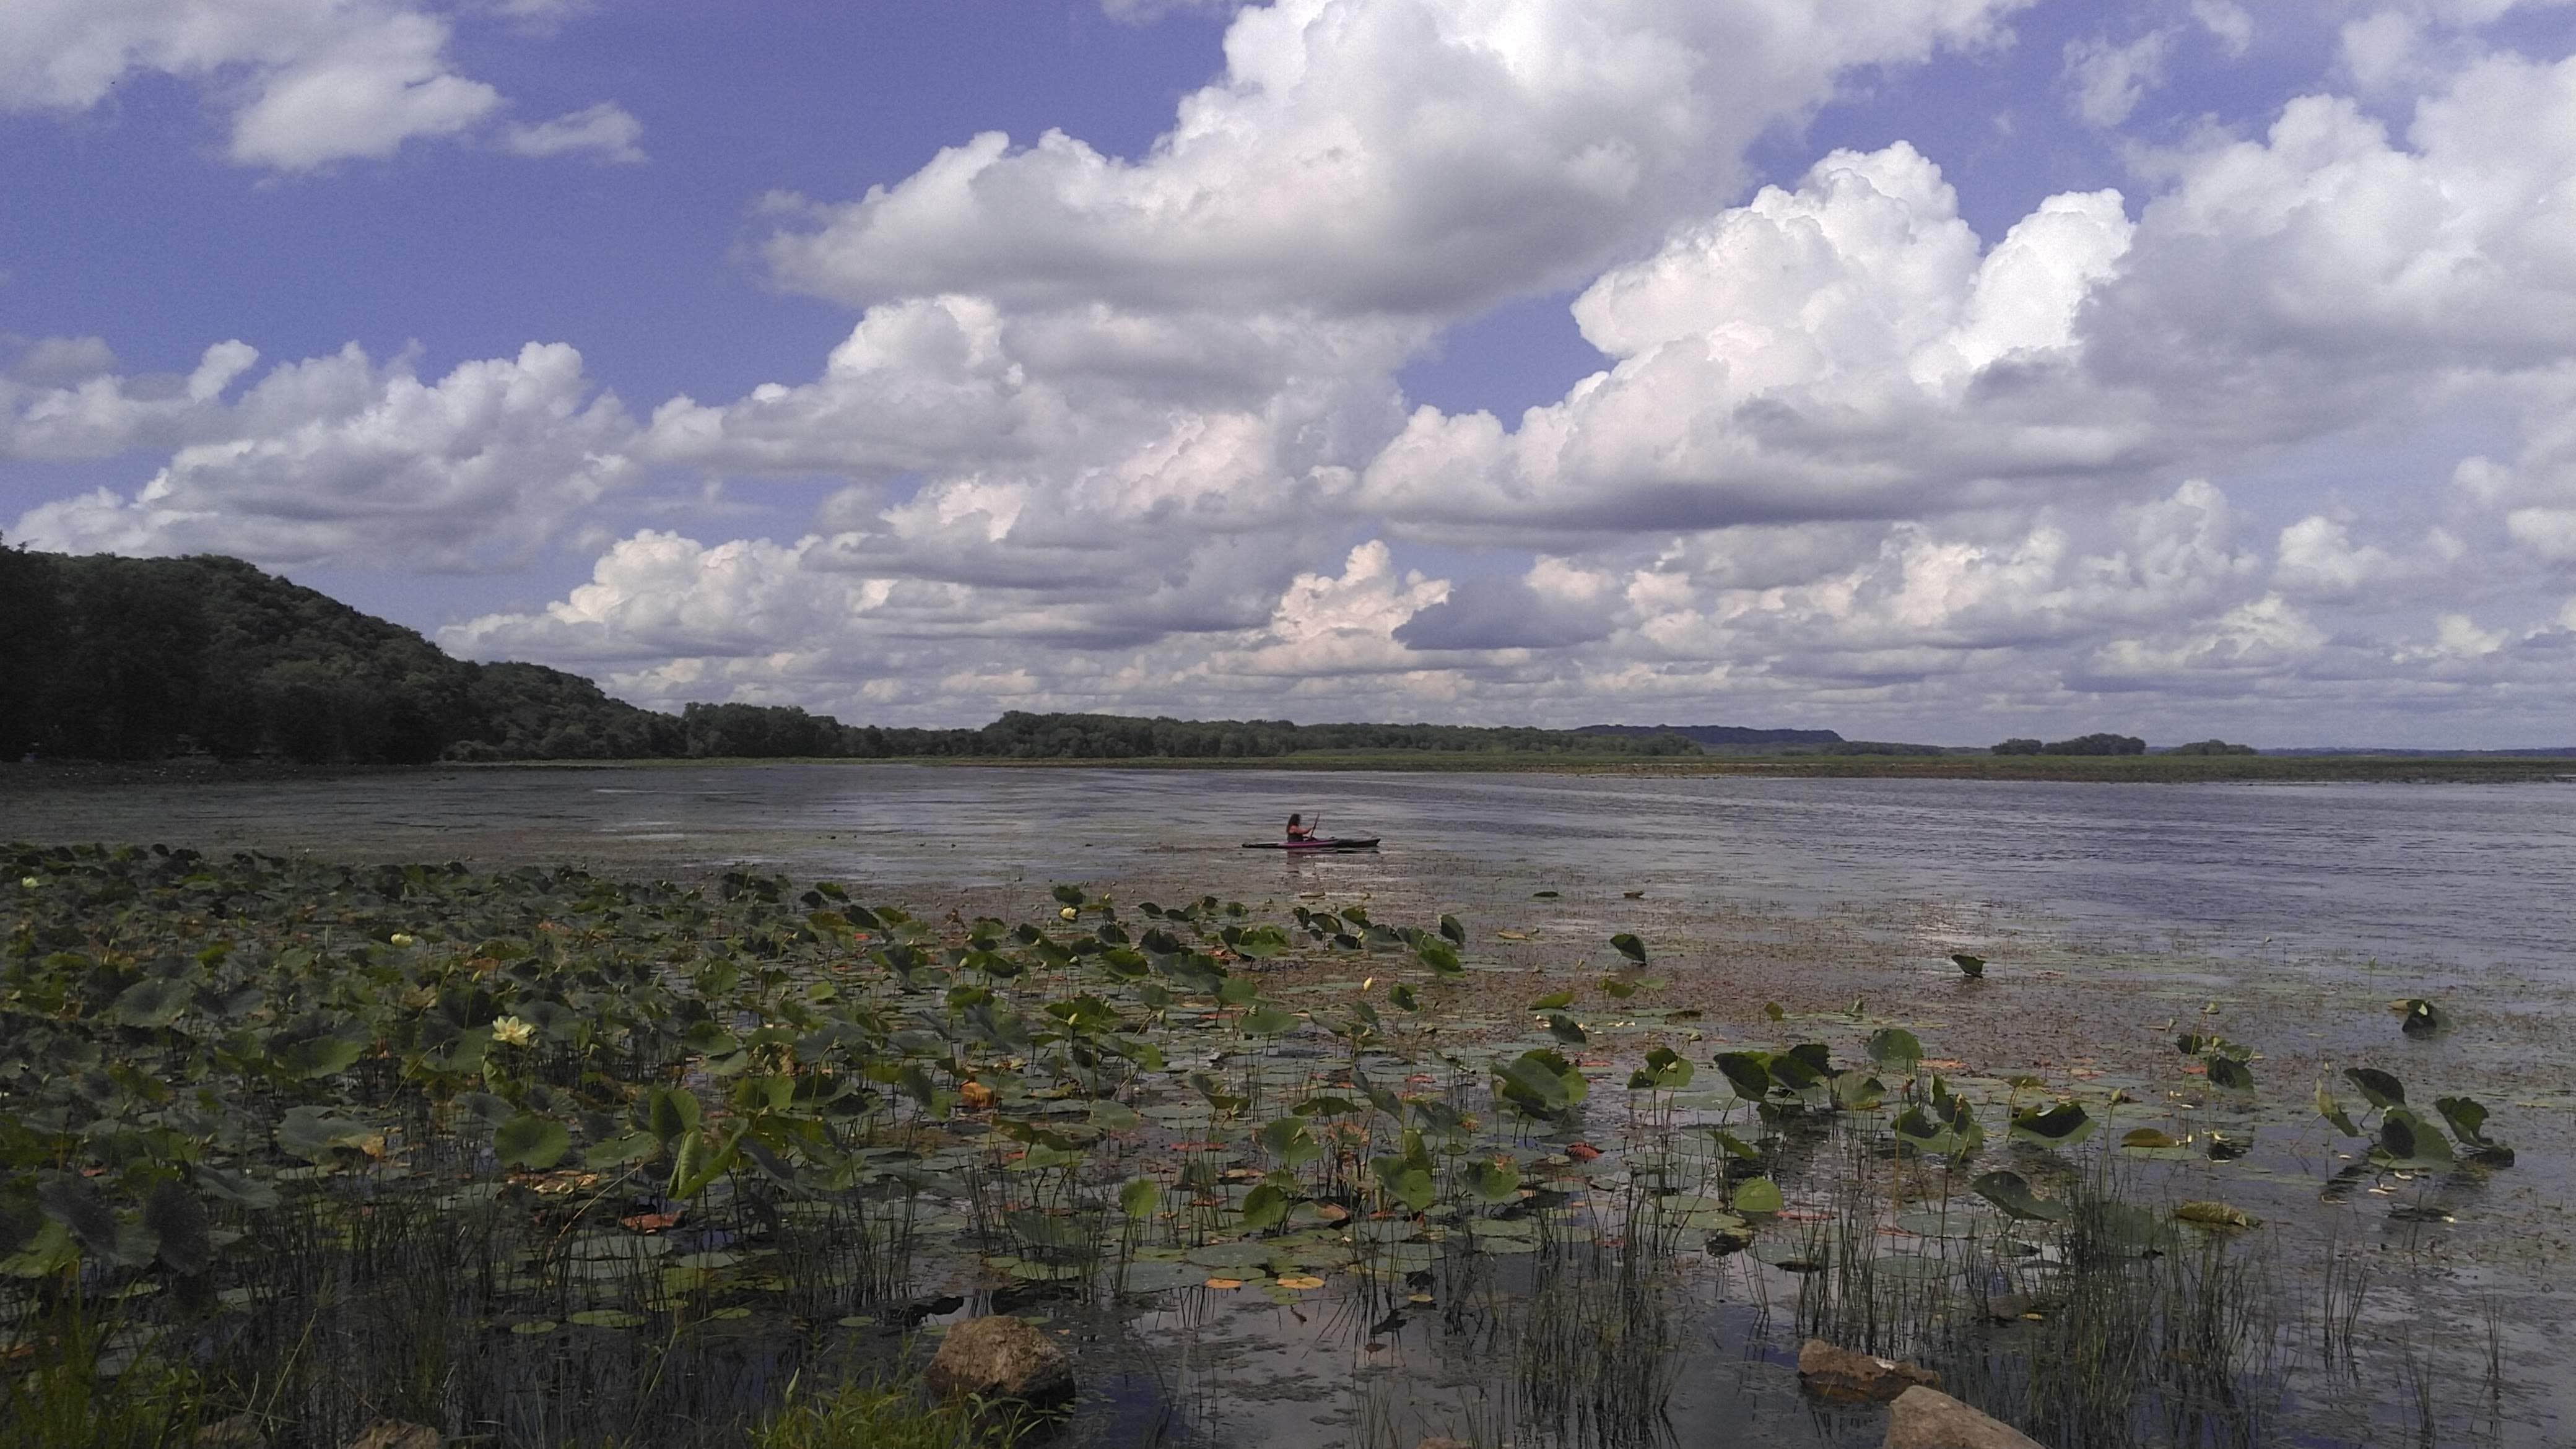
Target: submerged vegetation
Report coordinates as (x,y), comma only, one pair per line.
(546,1158)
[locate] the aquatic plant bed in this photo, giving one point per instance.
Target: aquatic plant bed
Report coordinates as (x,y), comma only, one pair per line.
(542,1157)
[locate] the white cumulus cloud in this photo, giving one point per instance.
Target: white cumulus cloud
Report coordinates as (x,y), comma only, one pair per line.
(304,83)
(343,459)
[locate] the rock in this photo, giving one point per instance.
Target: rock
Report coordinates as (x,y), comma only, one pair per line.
(1839,1373)
(1930,1419)
(395,1434)
(1000,1357)
(241,1431)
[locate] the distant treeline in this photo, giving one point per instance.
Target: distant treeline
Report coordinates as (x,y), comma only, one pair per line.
(2080,745)
(1738,736)
(2212,747)
(1019,736)
(135,659)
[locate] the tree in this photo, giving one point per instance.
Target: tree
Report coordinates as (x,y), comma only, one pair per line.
(31,645)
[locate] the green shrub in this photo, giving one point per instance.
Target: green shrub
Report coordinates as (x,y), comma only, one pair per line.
(880,1414)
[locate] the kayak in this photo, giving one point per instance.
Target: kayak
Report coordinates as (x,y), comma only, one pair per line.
(1339,844)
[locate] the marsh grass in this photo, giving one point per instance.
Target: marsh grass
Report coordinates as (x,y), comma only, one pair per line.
(548,1160)
(881,1413)
(78,1381)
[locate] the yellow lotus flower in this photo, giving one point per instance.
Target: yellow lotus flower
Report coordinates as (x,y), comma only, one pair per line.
(28,882)
(1068,913)
(511,1031)
(400,938)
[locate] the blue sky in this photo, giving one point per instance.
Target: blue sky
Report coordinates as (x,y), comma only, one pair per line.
(1934,369)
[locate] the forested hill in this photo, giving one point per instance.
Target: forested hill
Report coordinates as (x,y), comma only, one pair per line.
(135,659)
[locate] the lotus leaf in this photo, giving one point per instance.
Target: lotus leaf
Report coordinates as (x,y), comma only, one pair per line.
(2008,1190)
(530,1141)
(1895,1047)
(2377,1088)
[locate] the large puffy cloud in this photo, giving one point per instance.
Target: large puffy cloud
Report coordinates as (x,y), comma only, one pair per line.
(1843,348)
(667,618)
(2533,493)
(338,459)
(2335,238)
(2162,616)
(1124,409)
(1205,339)
(308,82)
(62,399)
(1406,156)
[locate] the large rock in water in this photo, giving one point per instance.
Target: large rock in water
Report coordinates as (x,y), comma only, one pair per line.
(1839,1373)
(1930,1419)
(1000,1357)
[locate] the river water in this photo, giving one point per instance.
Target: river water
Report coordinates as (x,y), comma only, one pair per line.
(2428,876)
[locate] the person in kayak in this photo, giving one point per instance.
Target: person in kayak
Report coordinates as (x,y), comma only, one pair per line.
(1298,830)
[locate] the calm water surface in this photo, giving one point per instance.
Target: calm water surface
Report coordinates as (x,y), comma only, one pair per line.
(2465,876)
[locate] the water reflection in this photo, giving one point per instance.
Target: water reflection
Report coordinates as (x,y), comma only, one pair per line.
(2425,875)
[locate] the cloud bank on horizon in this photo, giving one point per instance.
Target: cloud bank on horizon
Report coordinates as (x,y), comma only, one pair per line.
(2184,368)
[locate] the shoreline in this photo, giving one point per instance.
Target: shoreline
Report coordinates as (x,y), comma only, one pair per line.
(44,776)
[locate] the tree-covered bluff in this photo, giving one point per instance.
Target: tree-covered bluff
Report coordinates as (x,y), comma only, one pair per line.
(114,658)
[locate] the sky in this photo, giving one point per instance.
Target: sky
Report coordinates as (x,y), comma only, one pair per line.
(1938,370)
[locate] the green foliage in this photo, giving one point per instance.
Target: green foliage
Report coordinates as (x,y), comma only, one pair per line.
(1748,1072)
(883,1414)
(1758,1195)
(2377,1088)
(2062,1125)
(1894,1046)
(1540,1084)
(1664,1071)
(641,1109)
(531,1141)
(131,659)
(2093,744)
